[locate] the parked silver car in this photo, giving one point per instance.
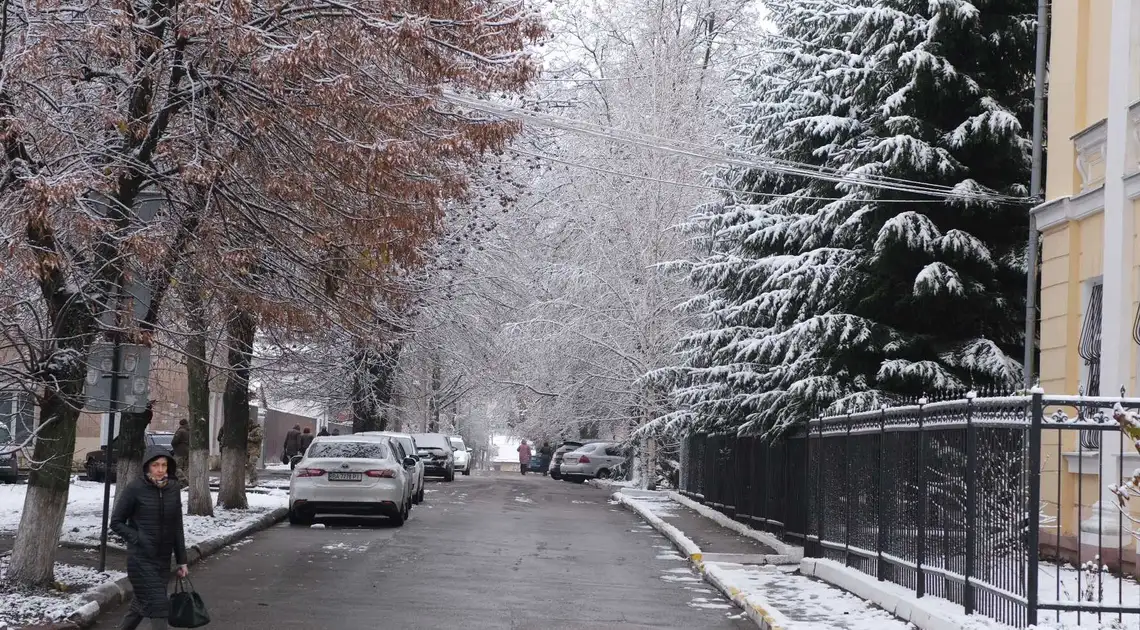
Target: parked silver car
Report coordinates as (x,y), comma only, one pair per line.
(595,460)
(409,444)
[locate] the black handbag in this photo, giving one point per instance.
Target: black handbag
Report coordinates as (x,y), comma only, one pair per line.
(187,610)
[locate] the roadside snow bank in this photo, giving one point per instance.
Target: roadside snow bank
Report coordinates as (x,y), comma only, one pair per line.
(83,522)
(82,525)
(20,609)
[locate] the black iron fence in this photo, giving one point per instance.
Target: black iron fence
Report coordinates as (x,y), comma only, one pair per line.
(990,503)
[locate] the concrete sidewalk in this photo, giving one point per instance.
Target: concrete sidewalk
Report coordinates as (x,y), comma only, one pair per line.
(756,571)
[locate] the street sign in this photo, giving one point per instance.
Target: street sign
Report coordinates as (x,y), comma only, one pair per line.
(134,378)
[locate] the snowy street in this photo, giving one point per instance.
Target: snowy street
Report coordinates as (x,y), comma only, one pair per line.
(482,552)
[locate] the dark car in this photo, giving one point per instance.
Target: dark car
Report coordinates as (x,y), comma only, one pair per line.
(556,461)
(437,454)
(9,466)
(95,459)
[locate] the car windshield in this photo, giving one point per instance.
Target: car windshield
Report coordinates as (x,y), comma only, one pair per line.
(348,450)
(458,444)
(162,439)
(430,440)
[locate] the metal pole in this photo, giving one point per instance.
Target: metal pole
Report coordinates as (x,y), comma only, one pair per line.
(116,367)
(1035,190)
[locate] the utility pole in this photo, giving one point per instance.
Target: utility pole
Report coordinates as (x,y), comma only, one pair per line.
(1035,191)
(116,369)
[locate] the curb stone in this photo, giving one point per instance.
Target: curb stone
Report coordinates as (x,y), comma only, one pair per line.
(111,594)
(762,614)
(786,554)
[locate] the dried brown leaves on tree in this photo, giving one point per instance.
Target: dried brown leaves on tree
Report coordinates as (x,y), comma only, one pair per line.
(313,134)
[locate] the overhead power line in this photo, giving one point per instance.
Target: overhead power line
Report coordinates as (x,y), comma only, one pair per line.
(656,180)
(721,156)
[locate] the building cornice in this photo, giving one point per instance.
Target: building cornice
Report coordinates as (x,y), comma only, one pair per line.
(1064,209)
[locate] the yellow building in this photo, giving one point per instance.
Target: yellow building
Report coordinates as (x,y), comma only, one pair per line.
(1089,292)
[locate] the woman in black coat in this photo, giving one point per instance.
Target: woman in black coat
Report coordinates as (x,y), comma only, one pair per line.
(148,515)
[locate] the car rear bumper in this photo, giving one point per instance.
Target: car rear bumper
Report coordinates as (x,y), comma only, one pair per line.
(312,508)
(435,470)
(382,490)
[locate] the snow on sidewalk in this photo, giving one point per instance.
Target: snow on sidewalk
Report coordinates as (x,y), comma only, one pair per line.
(82,525)
(83,521)
(797,602)
(775,595)
(20,609)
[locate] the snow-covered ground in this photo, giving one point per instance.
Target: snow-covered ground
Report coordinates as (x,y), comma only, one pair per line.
(82,525)
(18,609)
(805,603)
(83,522)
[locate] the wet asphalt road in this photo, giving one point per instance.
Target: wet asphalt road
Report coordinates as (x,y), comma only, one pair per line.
(500,551)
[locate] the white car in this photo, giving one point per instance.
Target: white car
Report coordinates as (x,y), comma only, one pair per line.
(462,455)
(349,474)
(408,443)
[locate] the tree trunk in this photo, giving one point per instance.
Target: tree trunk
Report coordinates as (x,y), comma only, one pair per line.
(131,447)
(198,393)
(372,388)
(433,402)
(240,330)
(33,556)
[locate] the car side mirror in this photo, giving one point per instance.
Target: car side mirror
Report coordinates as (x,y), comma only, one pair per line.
(410,462)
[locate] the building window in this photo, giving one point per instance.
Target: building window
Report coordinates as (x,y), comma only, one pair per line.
(17,417)
(1089,351)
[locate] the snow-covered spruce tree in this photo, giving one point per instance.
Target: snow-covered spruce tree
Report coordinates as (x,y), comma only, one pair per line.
(823,294)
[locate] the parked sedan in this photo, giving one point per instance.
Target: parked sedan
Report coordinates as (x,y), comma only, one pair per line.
(409,444)
(462,455)
(437,454)
(351,475)
(559,453)
(595,460)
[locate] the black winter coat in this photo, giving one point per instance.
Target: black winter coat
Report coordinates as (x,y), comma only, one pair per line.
(180,443)
(304,442)
(292,442)
(149,518)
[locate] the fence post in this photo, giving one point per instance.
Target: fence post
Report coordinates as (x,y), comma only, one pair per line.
(819,492)
(847,493)
(920,589)
(881,512)
(807,493)
(1038,411)
(971,501)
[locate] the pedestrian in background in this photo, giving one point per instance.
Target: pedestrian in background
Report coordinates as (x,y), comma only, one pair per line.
(253,438)
(524,456)
(306,439)
(148,515)
(292,445)
(180,444)
(323,431)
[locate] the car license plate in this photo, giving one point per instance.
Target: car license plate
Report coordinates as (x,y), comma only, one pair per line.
(345,476)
